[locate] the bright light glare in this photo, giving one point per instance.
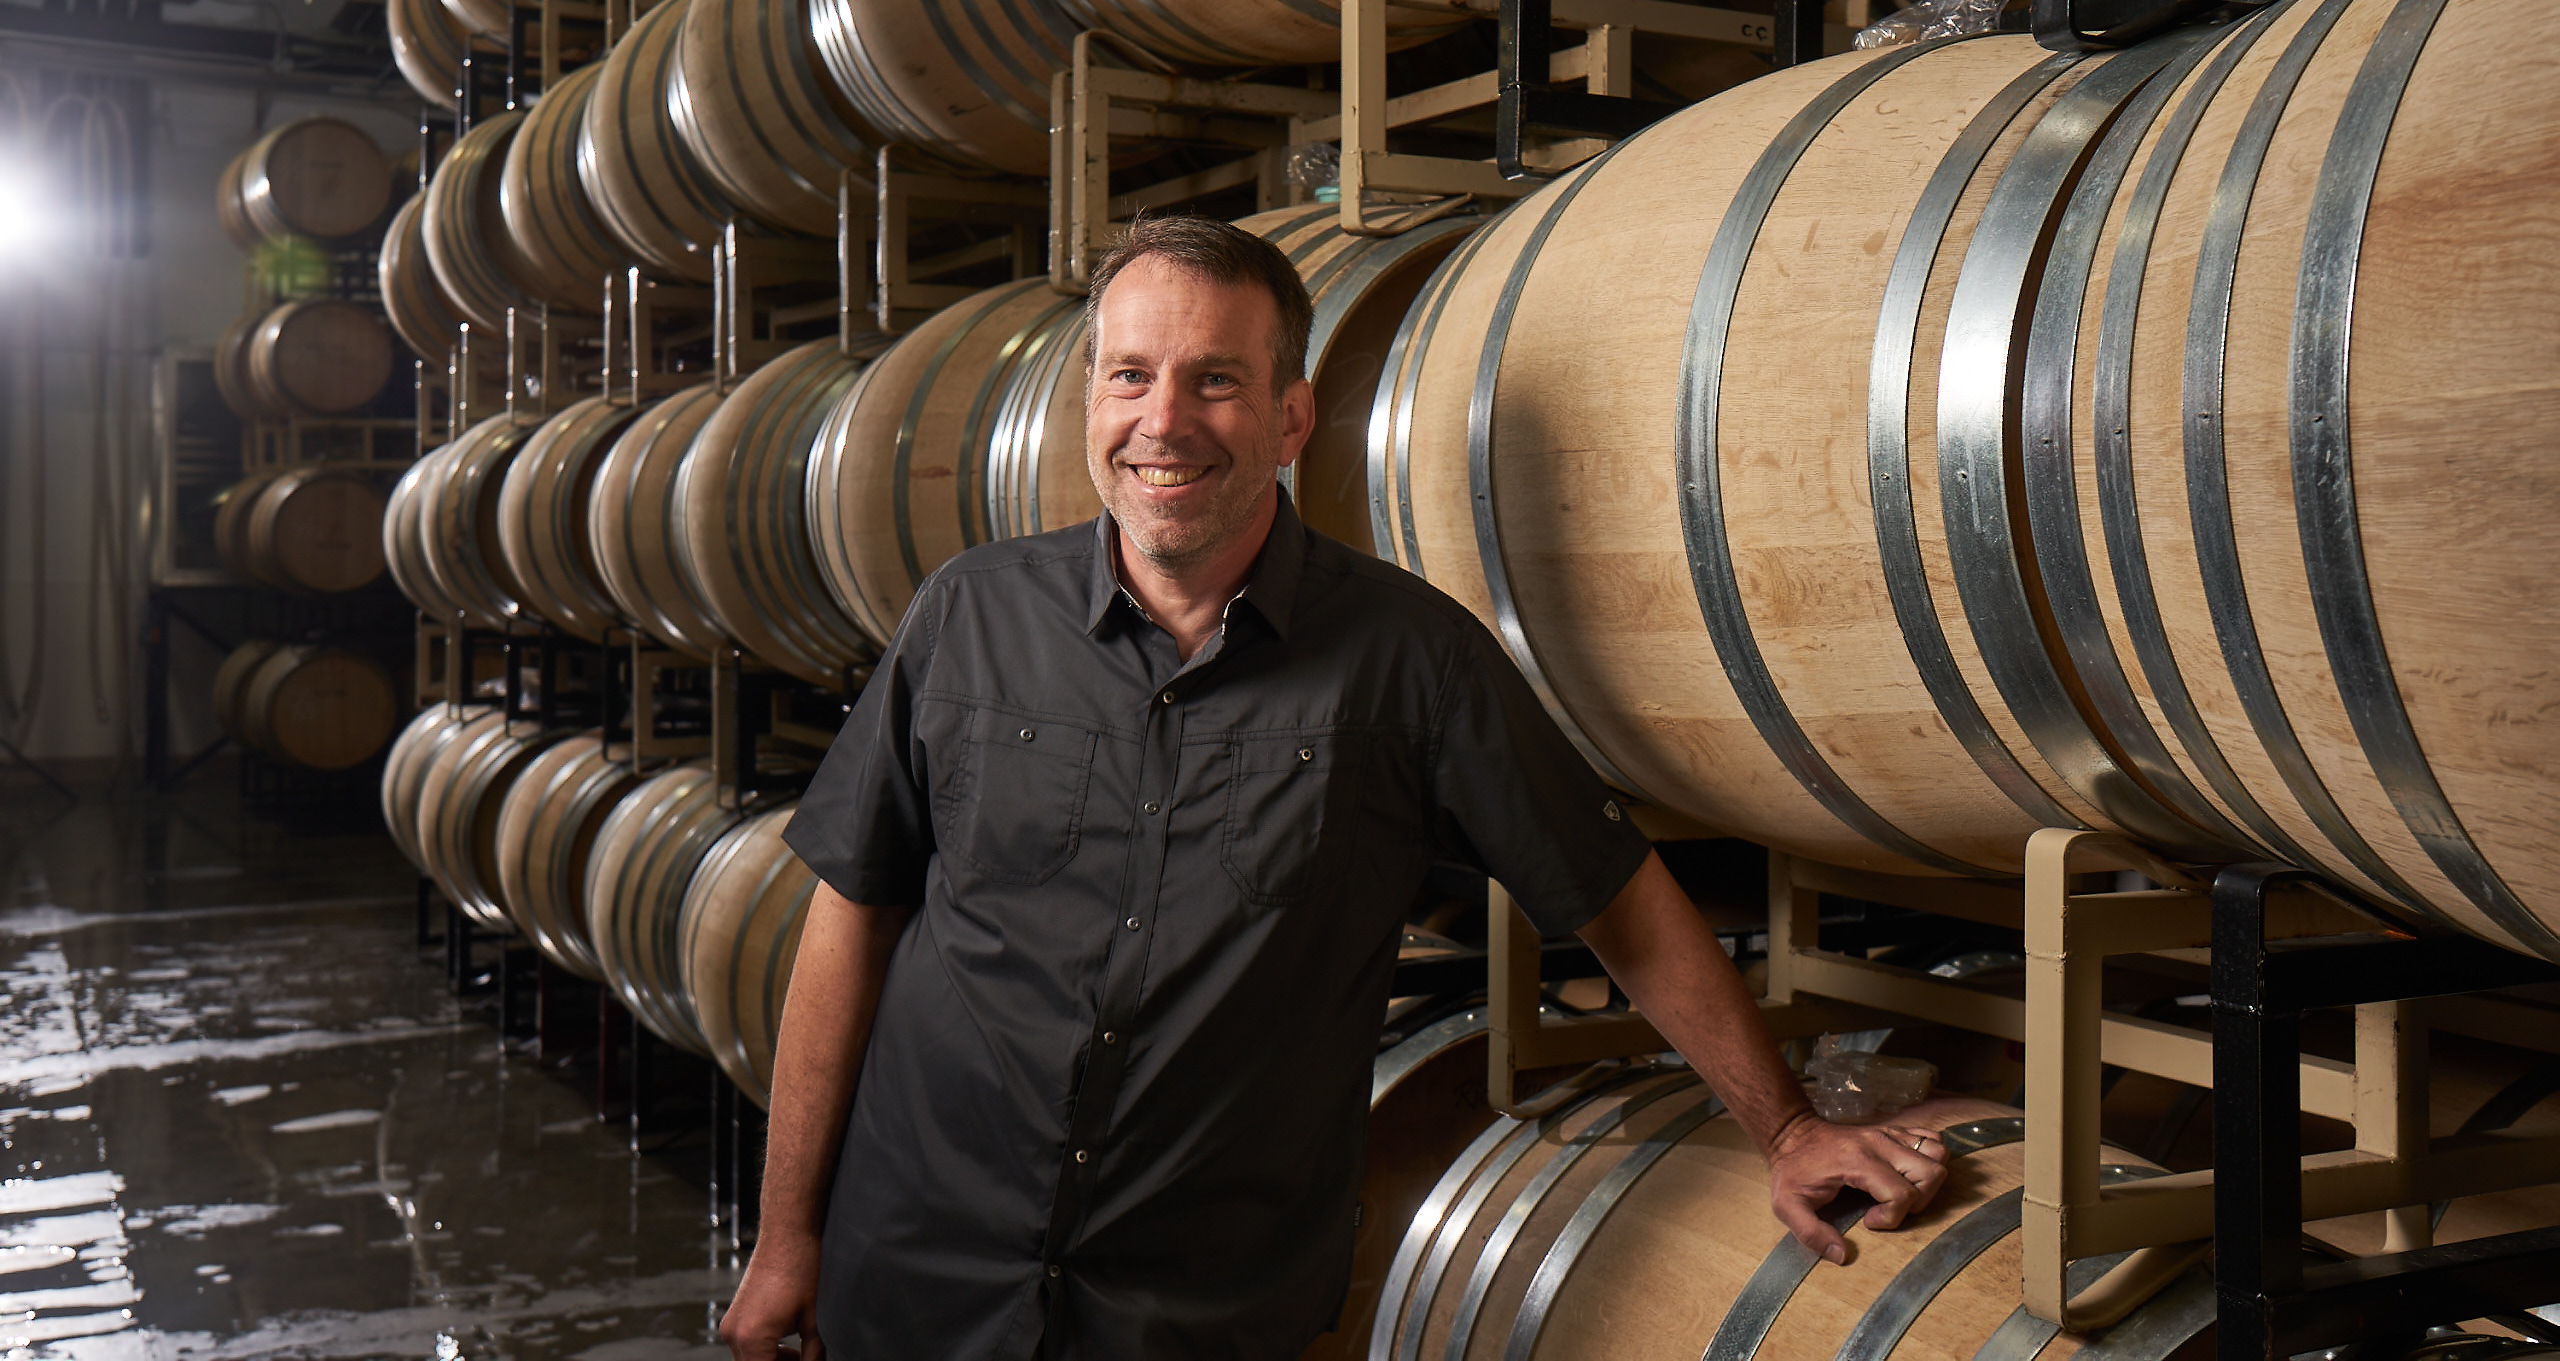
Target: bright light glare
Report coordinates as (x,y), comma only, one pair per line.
(26,206)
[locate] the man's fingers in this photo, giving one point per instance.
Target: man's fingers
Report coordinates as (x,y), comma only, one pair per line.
(1818,1237)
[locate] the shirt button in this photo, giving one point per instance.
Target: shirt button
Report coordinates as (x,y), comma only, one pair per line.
(1306,753)
(1053,1271)
(1152,806)
(1168,697)
(1080,1156)
(1028,734)
(1111,1037)
(1132,923)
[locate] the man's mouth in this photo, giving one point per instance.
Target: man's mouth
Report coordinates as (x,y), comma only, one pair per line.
(1168,477)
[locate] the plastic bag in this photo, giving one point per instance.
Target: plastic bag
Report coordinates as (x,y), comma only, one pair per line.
(1930,19)
(1315,166)
(1849,1086)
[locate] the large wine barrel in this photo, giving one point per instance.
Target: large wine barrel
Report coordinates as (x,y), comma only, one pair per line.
(404,774)
(466,228)
(320,707)
(567,252)
(972,426)
(739,930)
(1251,32)
(1918,655)
(1634,1225)
(543,506)
(411,295)
(456,520)
(314,528)
(938,76)
(320,356)
(547,826)
(741,526)
(749,99)
(649,188)
(317,177)
(631,523)
(404,537)
(458,807)
(427,44)
(644,859)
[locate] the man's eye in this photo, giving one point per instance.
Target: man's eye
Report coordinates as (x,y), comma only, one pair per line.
(1216,380)
(1129,376)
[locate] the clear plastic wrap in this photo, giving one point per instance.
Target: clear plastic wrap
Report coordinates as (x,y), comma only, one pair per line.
(1315,166)
(1930,19)
(1852,1086)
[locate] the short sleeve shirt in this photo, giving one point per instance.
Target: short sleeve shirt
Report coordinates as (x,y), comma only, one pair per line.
(1116,1089)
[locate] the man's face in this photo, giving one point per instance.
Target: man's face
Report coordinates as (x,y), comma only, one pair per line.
(1184,432)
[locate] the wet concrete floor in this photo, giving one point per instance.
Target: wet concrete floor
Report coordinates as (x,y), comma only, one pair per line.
(241,1115)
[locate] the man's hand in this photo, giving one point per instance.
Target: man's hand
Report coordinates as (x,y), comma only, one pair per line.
(777,1298)
(1812,1160)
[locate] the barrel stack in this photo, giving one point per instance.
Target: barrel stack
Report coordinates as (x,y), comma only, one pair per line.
(1879,461)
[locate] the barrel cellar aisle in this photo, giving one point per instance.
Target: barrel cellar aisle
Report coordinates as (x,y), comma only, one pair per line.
(2034,508)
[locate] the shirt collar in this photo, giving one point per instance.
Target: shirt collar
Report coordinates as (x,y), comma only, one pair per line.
(1271,588)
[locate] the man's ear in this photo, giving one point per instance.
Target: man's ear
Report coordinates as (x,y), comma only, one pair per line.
(1297,420)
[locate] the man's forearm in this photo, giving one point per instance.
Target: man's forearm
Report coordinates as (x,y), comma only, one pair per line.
(826,1024)
(1667,960)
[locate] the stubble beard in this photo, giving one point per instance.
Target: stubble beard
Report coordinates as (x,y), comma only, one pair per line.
(1176,544)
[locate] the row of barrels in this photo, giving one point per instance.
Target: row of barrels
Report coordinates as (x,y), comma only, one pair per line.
(689,911)
(312,705)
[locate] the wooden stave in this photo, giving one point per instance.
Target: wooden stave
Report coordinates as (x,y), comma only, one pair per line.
(568,253)
(457,519)
(231,369)
(404,545)
(748,97)
(741,524)
(290,370)
(231,511)
(2428,513)
(630,523)
(272,165)
(458,808)
(644,859)
(412,297)
(970,105)
(288,676)
(427,44)
(231,678)
(737,947)
(1705,755)
(1688,1226)
(404,773)
(547,827)
(647,186)
(1252,33)
(227,207)
(544,502)
(465,229)
(302,508)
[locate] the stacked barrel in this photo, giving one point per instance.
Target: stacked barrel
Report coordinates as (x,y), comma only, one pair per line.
(1880,461)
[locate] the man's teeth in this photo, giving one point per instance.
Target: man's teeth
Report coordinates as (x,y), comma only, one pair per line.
(1169,477)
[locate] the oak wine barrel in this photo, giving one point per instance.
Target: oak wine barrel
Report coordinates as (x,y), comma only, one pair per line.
(740,929)
(741,529)
(567,252)
(427,44)
(466,229)
(946,77)
(319,356)
(311,528)
(648,187)
(644,860)
(543,507)
(750,100)
(404,537)
(1924,634)
(631,523)
(1251,32)
(1634,1225)
(547,826)
(419,308)
(458,806)
(404,773)
(316,177)
(320,707)
(456,520)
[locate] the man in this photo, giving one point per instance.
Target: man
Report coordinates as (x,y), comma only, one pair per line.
(1116,848)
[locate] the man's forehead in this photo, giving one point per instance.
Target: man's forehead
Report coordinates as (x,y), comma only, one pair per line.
(1169,291)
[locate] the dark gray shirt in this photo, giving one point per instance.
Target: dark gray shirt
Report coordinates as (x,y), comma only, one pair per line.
(1116,1090)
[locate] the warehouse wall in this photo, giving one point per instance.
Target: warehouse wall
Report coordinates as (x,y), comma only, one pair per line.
(75,423)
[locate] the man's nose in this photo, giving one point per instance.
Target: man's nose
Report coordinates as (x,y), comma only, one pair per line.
(1165,412)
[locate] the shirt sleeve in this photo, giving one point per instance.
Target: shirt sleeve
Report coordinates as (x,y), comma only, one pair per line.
(865,825)
(1516,800)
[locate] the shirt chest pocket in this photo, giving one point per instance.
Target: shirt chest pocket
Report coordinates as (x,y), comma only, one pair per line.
(1290,813)
(1017,812)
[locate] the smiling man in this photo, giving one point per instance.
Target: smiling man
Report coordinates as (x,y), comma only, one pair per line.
(1116,850)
